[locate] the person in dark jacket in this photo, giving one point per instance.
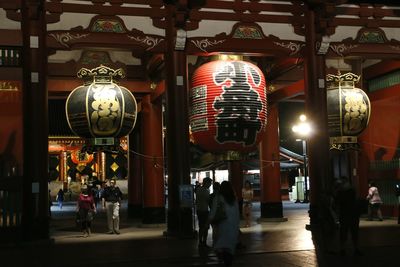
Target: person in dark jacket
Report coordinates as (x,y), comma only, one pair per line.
(216,187)
(60,198)
(349,214)
(111,200)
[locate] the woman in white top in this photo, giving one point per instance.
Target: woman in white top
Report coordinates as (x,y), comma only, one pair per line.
(375,202)
(247,195)
(228,228)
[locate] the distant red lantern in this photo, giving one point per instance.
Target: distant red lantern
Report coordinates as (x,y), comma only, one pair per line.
(79,157)
(228,104)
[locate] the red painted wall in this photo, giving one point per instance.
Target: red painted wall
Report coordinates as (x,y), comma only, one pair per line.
(380,141)
(11,132)
(381,138)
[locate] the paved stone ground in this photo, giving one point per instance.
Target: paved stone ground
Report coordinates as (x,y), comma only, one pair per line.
(269,244)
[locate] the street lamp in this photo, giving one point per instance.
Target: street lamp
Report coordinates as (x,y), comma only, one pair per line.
(303,129)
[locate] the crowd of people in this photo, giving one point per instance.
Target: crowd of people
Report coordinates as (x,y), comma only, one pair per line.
(221,211)
(106,193)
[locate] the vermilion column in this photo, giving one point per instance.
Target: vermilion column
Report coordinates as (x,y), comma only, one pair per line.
(135,203)
(316,111)
(153,165)
(63,163)
(180,216)
(35,213)
(236,177)
(270,179)
(363,171)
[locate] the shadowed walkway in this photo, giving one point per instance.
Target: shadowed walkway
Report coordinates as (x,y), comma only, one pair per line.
(266,244)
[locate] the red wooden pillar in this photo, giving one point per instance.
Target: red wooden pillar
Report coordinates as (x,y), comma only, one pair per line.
(363,163)
(63,172)
(270,172)
(236,177)
(359,182)
(135,202)
(153,163)
(180,216)
(35,213)
(316,111)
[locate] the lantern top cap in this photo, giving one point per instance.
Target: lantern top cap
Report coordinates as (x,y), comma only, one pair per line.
(101,74)
(342,80)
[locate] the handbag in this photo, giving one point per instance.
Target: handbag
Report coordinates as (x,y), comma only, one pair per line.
(220,213)
(77,218)
(90,215)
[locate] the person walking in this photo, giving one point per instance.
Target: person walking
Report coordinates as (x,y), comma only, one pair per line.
(375,202)
(398,200)
(216,186)
(228,227)
(86,209)
(202,210)
(247,195)
(50,203)
(111,202)
(349,215)
(60,198)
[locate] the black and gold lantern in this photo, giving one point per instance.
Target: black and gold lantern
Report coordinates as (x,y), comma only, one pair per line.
(349,110)
(100,109)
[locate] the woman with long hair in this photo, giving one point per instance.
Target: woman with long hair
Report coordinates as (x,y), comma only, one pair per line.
(228,228)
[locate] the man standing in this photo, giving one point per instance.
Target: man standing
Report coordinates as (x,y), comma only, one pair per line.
(202,201)
(349,214)
(111,200)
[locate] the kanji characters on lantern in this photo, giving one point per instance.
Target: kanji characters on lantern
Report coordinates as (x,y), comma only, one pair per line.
(228,106)
(101,108)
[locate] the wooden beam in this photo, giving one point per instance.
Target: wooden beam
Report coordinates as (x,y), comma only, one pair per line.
(288,92)
(385,94)
(282,66)
(65,86)
(158,91)
(380,69)
(57,7)
(69,70)
(10,37)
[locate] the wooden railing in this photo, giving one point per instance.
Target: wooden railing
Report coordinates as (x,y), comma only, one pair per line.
(380,165)
(10,56)
(10,207)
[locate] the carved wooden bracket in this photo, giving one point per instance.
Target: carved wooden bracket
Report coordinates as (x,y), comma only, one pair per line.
(105,31)
(367,41)
(244,38)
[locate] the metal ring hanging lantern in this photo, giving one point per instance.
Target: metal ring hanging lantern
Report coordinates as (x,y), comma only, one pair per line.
(101,108)
(349,110)
(228,106)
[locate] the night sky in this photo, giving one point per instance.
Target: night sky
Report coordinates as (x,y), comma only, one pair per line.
(289,113)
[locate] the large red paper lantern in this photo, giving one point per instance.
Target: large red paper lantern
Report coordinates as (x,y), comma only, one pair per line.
(228,106)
